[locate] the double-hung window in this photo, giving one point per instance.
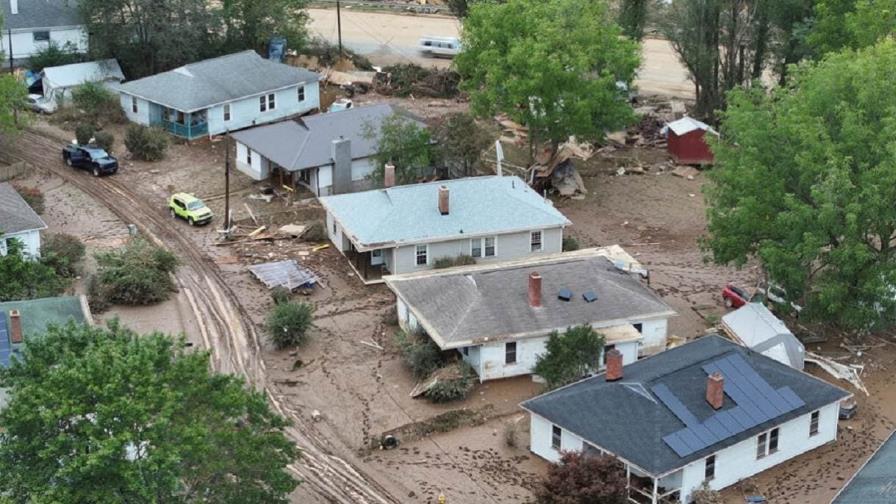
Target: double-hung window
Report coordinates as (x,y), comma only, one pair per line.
(271,103)
(476,247)
(813,424)
(510,352)
(709,472)
(301,93)
(773,441)
(226,111)
(535,241)
(484,247)
(134,104)
(490,248)
(556,437)
(422,255)
(767,443)
(262,104)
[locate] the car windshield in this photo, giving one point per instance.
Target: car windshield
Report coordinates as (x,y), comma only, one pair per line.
(195,205)
(98,154)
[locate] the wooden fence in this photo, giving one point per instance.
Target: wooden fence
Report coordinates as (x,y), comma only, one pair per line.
(9,172)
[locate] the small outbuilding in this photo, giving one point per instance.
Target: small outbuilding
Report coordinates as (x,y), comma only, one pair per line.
(755,327)
(59,81)
(686,141)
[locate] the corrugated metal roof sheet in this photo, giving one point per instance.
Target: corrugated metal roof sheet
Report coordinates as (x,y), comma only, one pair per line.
(686,125)
(79,73)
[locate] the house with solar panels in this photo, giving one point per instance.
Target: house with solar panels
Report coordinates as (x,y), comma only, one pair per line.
(499,316)
(707,411)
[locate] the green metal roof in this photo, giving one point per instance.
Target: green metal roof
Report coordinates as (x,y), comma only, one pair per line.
(38,314)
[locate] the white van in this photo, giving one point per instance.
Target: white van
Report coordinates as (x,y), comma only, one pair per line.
(447,47)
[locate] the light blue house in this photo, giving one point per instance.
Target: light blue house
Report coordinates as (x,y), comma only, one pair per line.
(221,94)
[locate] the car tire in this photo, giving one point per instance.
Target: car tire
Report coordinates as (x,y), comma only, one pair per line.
(173,214)
(68,161)
(96,172)
(191,221)
(728,302)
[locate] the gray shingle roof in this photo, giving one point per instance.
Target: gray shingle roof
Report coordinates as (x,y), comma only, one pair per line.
(41,14)
(305,142)
(619,417)
(875,482)
(217,80)
(410,214)
(15,214)
(491,302)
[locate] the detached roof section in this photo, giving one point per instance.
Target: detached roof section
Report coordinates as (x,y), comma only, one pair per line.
(875,482)
(41,14)
(217,80)
(80,73)
(630,419)
(754,326)
(686,125)
(464,305)
(306,142)
(409,214)
(15,214)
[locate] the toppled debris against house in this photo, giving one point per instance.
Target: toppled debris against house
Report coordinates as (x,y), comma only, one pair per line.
(284,274)
(755,327)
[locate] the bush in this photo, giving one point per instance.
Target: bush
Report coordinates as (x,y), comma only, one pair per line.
(570,244)
(33,196)
(23,278)
(328,55)
(447,262)
(569,356)
(104,140)
(281,294)
(511,434)
(97,104)
(137,274)
(453,389)
(97,296)
(443,262)
(464,260)
(288,324)
(405,79)
(583,478)
(316,232)
(84,133)
(62,252)
(148,144)
(419,353)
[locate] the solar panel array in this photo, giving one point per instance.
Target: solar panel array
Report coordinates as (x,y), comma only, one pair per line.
(757,402)
(5,345)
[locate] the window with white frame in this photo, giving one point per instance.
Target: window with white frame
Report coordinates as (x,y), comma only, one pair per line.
(134,104)
(709,471)
(767,443)
(262,104)
(476,247)
(556,437)
(813,423)
(510,352)
(491,249)
(226,111)
(535,241)
(248,156)
(484,247)
(773,441)
(422,255)
(41,36)
(271,103)
(301,93)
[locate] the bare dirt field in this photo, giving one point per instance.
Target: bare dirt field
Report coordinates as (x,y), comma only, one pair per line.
(349,393)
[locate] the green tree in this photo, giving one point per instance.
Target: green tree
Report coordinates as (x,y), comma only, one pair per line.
(54,55)
(62,252)
(841,24)
(23,277)
(107,415)
(251,23)
(551,65)
(288,323)
(96,103)
(460,142)
(633,18)
(570,356)
(805,181)
(583,479)
(403,143)
(12,98)
(137,274)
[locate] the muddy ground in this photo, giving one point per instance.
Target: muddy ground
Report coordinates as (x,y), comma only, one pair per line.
(361,392)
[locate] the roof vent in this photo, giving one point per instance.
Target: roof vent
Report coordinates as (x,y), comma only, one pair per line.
(564,294)
(589,297)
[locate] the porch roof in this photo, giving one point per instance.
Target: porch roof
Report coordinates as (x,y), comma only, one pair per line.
(217,80)
(628,420)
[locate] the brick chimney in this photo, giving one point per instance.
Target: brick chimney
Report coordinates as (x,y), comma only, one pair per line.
(534,290)
(715,390)
(15,326)
(389,175)
(614,365)
(443,200)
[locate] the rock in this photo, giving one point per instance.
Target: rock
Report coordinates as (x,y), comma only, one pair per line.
(316,416)
(688,172)
(620,171)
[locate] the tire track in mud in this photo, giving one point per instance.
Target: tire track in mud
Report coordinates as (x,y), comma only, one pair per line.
(225,326)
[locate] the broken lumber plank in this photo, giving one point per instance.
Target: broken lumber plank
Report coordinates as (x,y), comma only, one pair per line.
(250,213)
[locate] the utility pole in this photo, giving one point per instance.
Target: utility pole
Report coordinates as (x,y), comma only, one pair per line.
(339,26)
(15,109)
(227,183)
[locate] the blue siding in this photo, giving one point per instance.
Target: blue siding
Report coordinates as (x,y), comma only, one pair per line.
(245,113)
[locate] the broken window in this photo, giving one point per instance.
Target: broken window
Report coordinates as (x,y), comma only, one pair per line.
(510,352)
(556,437)
(813,424)
(535,241)
(422,255)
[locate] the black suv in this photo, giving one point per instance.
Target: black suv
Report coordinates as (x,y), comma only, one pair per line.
(90,158)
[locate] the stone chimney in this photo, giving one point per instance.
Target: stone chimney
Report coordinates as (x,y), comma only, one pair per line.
(614,365)
(715,390)
(534,290)
(443,200)
(15,326)
(14,6)
(389,175)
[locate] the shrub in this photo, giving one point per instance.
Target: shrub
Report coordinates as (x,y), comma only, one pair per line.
(583,478)
(148,144)
(453,389)
(97,104)
(33,196)
(419,353)
(443,262)
(511,434)
(137,274)
(570,244)
(281,294)
(569,356)
(464,260)
(97,296)
(315,232)
(447,262)
(104,140)
(23,278)
(84,133)
(62,252)
(288,324)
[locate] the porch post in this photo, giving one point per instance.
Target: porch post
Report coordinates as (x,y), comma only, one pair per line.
(655,490)
(628,481)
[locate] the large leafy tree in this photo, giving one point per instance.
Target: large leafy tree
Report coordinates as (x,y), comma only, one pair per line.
(553,65)
(106,415)
(580,478)
(805,180)
(12,96)
(251,23)
(570,356)
(23,277)
(403,143)
(460,143)
(840,24)
(633,17)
